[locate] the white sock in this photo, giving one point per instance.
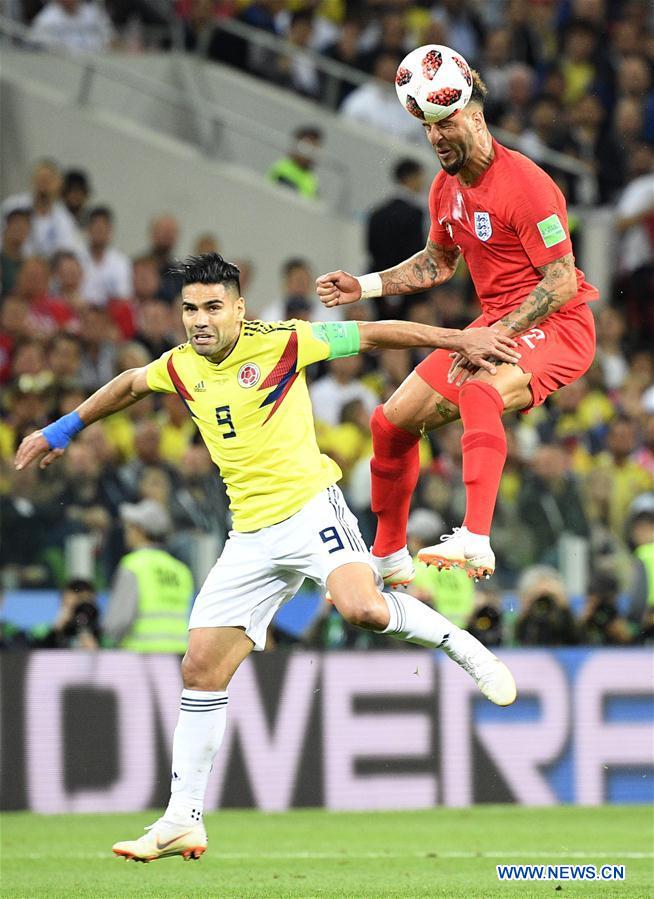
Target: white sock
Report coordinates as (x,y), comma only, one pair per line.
(416,622)
(482,541)
(198,735)
(398,556)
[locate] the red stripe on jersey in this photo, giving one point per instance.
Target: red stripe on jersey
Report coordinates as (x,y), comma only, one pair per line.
(286,364)
(177,381)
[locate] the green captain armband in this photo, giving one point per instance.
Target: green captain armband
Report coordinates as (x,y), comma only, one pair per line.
(343,338)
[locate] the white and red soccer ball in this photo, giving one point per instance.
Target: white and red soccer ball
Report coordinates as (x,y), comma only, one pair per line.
(432,82)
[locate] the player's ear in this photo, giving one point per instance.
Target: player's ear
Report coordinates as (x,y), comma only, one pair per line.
(240,309)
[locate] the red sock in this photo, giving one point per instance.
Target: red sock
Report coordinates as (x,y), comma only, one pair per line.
(394,468)
(484,452)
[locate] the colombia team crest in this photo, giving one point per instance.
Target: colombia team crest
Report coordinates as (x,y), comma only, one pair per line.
(483,227)
(249,375)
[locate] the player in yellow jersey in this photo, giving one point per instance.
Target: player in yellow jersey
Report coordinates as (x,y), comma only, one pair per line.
(243,383)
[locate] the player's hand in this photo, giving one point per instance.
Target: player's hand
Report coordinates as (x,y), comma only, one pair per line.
(461,370)
(33,446)
(337,289)
(485,347)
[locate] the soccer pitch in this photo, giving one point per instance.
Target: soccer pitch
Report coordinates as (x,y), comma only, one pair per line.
(313,853)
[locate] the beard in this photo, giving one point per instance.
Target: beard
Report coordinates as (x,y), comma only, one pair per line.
(456,164)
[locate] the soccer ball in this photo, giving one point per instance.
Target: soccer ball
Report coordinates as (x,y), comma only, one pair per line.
(432,82)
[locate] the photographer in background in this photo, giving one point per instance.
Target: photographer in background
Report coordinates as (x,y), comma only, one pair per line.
(77,625)
(601,623)
(545,618)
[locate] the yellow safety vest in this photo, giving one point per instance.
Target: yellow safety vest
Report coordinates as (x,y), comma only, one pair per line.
(165,588)
(646,555)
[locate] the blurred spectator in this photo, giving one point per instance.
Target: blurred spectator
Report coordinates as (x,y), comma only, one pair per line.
(29,511)
(396,228)
(154,327)
(545,618)
(611,329)
(550,503)
(46,313)
(495,62)
(297,70)
(644,456)
(344,50)
(463,26)
(579,60)
(593,143)
(375,104)
(298,292)
(107,271)
(147,280)
(164,234)
(339,386)
(67,279)
(641,591)
(296,171)
(75,193)
(77,625)
(76,25)
(52,226)
(391,39)
(99,348)
(151,593)
(628,478)
(14,237)
(177,428)
(207,242)
(635,225)
(449,592)
(600,622)
(65,359)
(486,621)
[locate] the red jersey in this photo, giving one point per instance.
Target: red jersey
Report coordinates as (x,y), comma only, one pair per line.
(512,220)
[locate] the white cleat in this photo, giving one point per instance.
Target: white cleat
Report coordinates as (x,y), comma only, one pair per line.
(491,676)
(164,839)
(461,549)
(397,569)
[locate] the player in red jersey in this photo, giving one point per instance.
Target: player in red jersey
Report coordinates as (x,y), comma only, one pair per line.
(508,219)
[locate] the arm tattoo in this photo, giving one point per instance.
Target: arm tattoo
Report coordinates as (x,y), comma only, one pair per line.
(431,266)
(558,285)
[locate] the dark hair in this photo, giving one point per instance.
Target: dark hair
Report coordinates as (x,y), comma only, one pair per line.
(308,131)
(80,585)
(293,262)
(22,211)
(101,212)
(405,168)
(76,178)
(479,89)
(209,268)
(60,255)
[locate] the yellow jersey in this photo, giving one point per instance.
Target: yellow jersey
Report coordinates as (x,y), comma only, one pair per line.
(254,414)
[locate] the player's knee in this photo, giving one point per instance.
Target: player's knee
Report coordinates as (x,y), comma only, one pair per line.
(362,610)
(201,673)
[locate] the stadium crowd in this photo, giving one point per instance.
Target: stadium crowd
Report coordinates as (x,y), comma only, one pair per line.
(578,487)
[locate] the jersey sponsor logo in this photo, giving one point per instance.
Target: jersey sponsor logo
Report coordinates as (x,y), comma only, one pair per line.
(483,226)
(551,230)
(249,375)
(199,387)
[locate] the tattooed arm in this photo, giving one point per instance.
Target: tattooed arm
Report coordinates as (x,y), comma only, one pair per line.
(431,266)
(557,286)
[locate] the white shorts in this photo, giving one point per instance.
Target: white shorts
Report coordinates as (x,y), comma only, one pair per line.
(259,571)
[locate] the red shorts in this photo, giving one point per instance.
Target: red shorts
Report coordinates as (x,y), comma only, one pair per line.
(556,353)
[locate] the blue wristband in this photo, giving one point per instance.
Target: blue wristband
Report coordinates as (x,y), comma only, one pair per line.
(61,432)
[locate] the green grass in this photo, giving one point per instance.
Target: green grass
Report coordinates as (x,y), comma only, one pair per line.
(435,853)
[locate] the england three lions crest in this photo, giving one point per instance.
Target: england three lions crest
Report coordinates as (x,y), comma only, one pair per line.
(483,227)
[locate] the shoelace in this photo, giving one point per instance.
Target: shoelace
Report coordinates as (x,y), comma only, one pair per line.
(445,537)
